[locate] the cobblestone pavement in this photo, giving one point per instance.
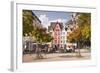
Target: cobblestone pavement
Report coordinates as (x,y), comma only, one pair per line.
(57,57)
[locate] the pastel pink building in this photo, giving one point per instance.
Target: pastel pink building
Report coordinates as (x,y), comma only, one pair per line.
(57,35)
(55,28)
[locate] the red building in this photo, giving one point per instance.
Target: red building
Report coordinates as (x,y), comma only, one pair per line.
(57,34)
(56,29)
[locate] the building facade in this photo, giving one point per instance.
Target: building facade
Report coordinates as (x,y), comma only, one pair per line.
(57,30)
(57,34)
(36,21)
(63,37)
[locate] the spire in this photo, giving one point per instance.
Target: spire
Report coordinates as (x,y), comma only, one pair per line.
(74,18)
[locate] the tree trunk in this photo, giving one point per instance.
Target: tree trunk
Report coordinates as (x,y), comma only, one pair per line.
(78,46)
(38,52)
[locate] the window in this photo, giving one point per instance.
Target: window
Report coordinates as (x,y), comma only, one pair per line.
(57,29)
(58,33)
(55,38)
(55,41)
(58,37)
(63,37)
(55,33)
(63,33)
(58,41)
(61,41)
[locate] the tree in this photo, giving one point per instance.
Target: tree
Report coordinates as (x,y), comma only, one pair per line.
(84,19)
(27,22)
(84,22)
(75,36)
(82,34)
(41,37)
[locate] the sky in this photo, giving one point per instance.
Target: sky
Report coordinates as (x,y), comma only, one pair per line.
(46,17)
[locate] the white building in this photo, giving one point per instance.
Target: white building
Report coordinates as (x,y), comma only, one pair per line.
(63,37)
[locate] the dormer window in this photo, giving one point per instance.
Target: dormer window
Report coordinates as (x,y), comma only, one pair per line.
(71,29)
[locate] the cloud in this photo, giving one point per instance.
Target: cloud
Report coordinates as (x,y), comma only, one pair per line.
(44,19)
(59,20)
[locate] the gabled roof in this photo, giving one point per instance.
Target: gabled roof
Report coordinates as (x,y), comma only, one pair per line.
(53,24)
